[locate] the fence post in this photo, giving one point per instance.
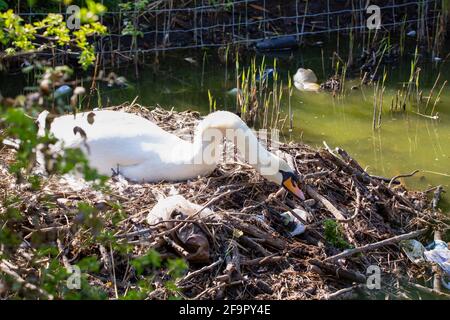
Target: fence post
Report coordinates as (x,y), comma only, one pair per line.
(296,19)
(201,23)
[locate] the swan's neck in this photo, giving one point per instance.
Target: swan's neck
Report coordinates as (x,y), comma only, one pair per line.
(208,145)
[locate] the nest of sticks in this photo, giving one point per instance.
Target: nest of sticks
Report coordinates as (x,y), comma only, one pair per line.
(243,251)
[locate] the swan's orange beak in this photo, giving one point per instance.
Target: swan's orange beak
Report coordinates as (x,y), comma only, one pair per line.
(290,185)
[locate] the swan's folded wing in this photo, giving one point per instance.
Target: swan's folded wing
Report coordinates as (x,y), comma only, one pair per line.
(111,138)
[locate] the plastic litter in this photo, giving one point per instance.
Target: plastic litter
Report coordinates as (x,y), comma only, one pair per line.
(62,91)
(412,33)
(306,80)
(165,207)
(294,226)
(305,75)
(266,75)
(280,43)
(233,92)
(436,252)
(440,254)
(414,250)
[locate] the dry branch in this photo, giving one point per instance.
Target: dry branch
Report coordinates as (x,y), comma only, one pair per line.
(376,245)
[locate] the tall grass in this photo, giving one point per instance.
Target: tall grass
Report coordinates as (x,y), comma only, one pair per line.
(378,96)
(260,94)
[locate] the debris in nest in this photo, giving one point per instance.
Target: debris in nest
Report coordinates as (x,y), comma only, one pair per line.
(414,250)
(164,208)
(292,223)
(230,227)
(333,84)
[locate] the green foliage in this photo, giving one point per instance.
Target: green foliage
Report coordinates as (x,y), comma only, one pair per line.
(54,277)
(88,217)
(9,239)
(334,235)
(138,5)
(227,4)
(131,12)
(90,14)
(176,267)
(117,213)
(54,26)
(13,30)
(3,5)
(15,34)
(151,260)
(20,126)
(141,291)
(89,264)
(74,159)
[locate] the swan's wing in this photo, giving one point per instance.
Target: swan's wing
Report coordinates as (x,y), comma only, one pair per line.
(107,125)
(112,138)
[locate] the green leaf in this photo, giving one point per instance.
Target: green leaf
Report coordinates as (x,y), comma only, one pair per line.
(3,5)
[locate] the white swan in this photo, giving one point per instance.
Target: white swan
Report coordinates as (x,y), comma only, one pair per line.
(142,151)
(305,80)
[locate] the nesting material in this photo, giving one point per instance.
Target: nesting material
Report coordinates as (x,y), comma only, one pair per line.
(164,208)
(239,246)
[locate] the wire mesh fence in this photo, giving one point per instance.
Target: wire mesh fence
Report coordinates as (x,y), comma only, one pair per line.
(169,24)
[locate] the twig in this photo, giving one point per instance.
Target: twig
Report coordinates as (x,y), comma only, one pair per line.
(177,247)
(437,285)
(339,293)
(135,233)
(338,271)
(430,291)
(113,268)
(372,246)
(256,232)
(330,207)
(233,268)
(317,174)
(264,260)
(4,268)
(191,275)
(219,286)
(436,197)
(402,176)
(384,179)
(358,205)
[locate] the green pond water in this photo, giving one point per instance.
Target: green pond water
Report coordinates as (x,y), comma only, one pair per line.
(405,141)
